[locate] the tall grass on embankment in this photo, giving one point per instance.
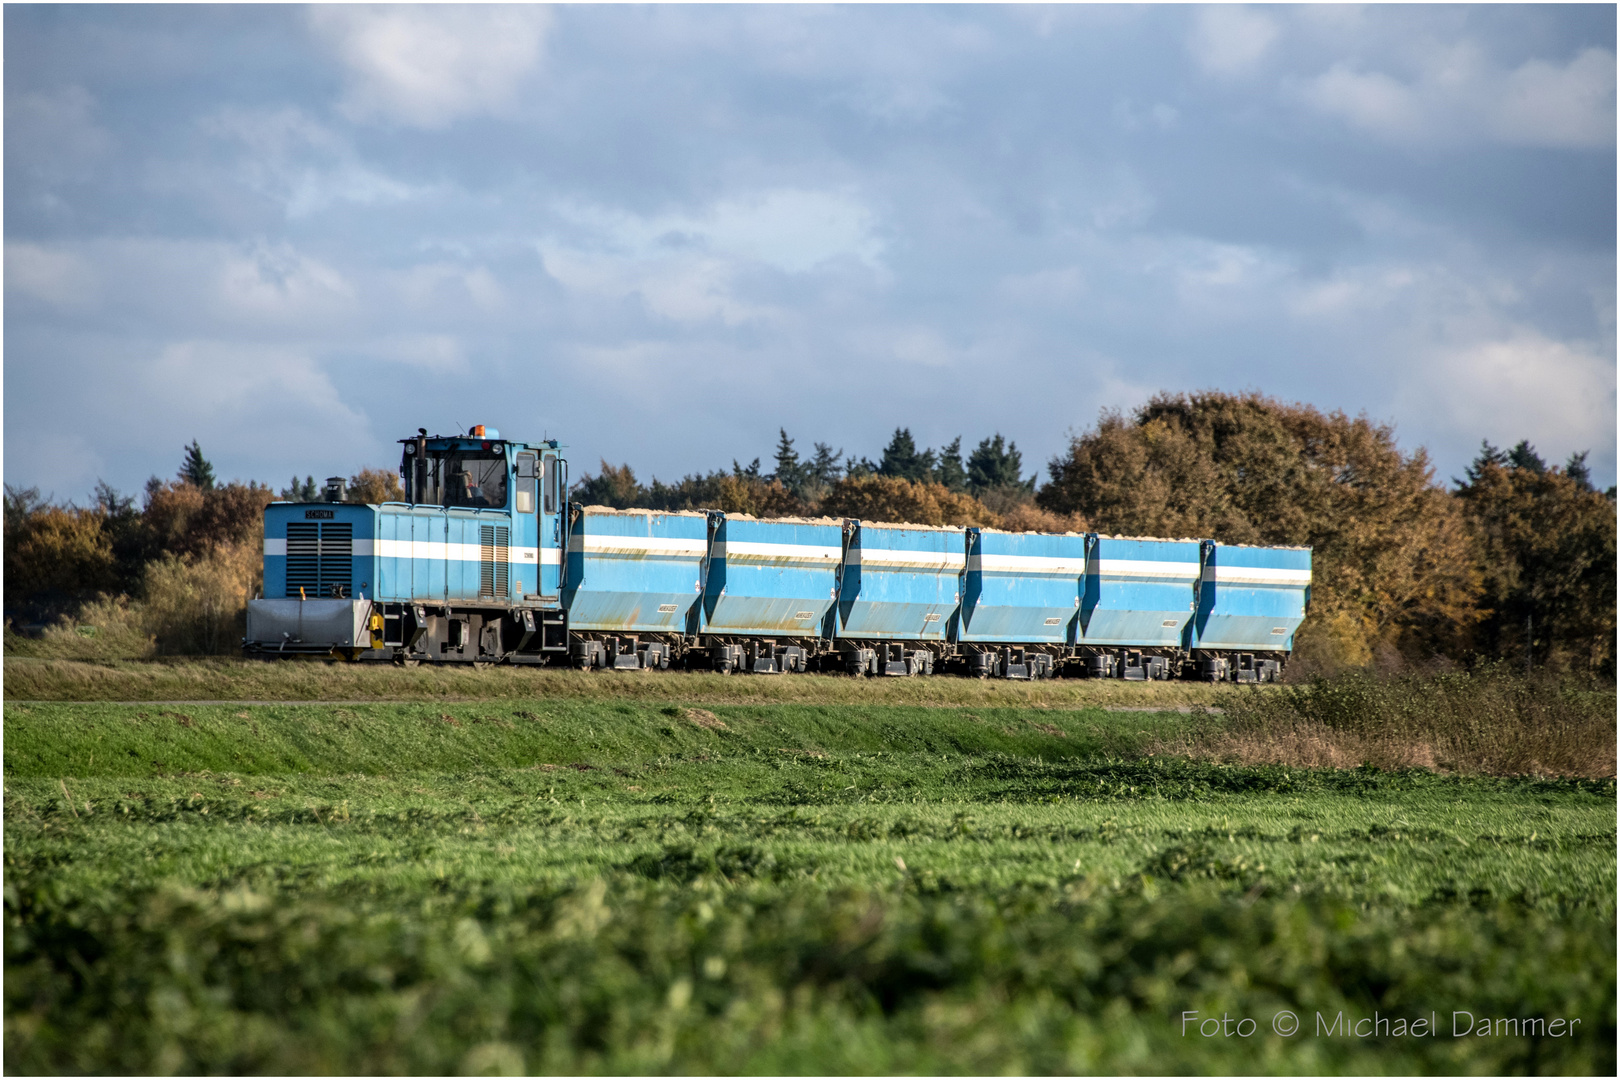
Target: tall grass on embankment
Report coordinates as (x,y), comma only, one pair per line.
(1490,721)
(219,679)
(191,606)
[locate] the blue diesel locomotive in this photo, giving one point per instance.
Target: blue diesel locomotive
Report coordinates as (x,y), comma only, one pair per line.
(485,561)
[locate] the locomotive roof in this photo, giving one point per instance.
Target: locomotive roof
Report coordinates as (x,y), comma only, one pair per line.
(443,441)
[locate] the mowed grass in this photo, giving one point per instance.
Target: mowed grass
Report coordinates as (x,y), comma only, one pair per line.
(573,885)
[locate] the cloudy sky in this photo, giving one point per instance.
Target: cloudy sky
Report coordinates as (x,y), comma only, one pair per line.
(660,233)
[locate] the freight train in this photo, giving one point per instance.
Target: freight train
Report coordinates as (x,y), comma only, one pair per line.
(487,561)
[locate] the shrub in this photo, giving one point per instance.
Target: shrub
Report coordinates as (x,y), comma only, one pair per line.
(198,604)
(183,519)
(756,496)
(375,486)
(890,498)
(55,556)
(1027,517)
(1491,721)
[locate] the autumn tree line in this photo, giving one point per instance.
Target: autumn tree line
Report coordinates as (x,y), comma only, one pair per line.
(1514,561)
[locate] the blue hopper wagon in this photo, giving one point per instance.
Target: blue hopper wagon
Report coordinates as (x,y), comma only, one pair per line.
(486,561)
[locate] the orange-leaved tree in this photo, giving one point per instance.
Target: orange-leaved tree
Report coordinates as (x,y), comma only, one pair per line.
(892,498)
(375,486)
(1392,564)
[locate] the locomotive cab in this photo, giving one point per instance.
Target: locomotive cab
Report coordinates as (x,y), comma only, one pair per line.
(482,477)
(466,568)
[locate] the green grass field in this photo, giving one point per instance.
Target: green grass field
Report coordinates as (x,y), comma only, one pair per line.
(667,879)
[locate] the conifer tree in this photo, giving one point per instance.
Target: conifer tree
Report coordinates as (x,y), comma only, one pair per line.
(1576,469)
(791,473)
(196,469)
(996,464)
(901,458)
(826,467)
(1524,456)
(301,492)
(949,471)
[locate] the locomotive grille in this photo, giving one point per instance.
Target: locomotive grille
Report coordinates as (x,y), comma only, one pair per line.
(494,555)
(320,558)
(337,558)
(303,558)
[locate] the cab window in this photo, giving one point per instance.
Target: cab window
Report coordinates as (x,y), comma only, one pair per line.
(471,479)
(526,482)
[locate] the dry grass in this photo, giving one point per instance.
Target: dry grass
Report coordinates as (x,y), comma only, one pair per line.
(198,606)
(703,718)
(192,606)
(28,678)
(104,628)
(1491,722)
